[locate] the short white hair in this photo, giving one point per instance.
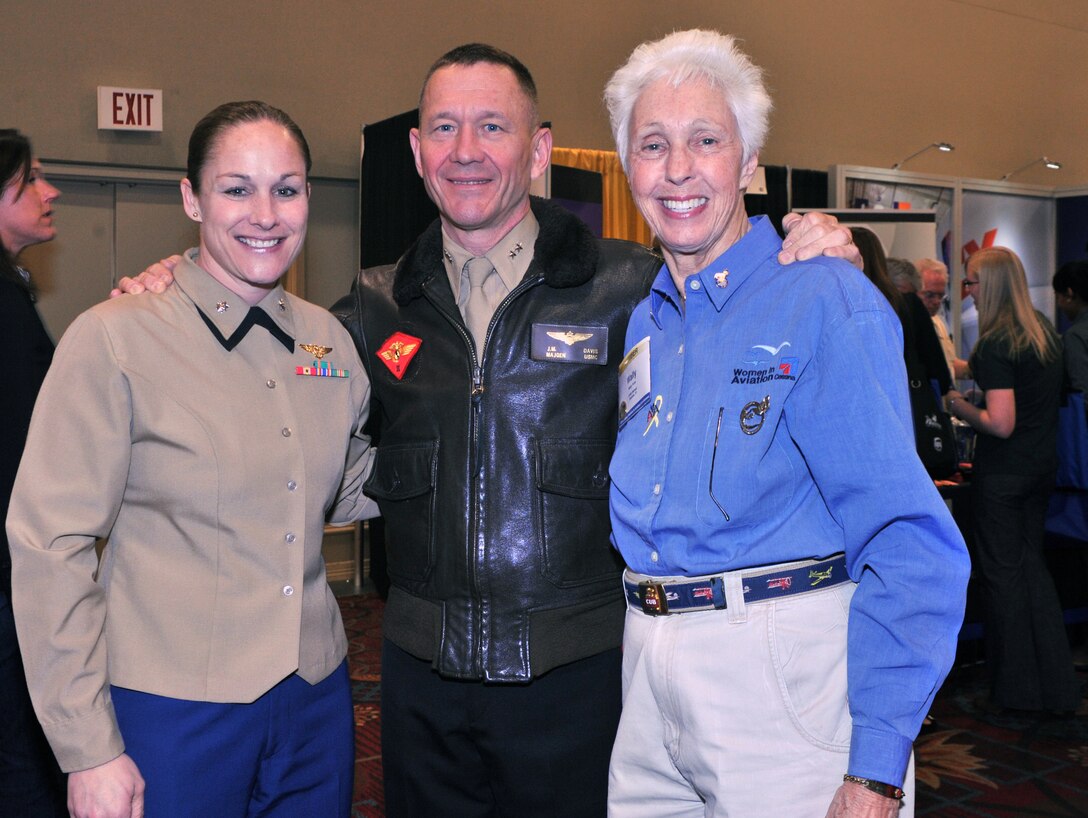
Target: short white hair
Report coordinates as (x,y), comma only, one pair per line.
(931,265)
(683,56)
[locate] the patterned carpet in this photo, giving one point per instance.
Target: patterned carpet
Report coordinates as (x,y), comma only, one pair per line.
(968,763)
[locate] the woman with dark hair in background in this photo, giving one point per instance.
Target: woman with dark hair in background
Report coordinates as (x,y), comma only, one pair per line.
(923,357)
(31,784)
(195,430)
(1017,365)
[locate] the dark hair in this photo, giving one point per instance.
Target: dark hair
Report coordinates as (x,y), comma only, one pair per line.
(1073,275)
(875,265)
(228,115)
(15,156)
(473,53)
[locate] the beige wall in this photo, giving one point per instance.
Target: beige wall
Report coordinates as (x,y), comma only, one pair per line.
(861,82)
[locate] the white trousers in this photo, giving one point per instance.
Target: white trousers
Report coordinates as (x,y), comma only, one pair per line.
(739,713)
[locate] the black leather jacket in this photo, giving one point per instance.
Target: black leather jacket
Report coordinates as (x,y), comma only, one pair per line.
(492,474)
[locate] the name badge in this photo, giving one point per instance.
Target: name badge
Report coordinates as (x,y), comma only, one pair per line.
(570,345)
(634,380)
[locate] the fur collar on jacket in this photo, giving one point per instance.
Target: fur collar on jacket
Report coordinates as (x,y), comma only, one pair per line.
(565,253)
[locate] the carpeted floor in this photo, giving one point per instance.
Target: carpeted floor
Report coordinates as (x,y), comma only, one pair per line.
(968,763)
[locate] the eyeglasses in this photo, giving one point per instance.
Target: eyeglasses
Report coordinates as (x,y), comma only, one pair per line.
(970,282)
(931,294)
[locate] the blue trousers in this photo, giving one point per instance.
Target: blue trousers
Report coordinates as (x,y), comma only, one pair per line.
(289,754)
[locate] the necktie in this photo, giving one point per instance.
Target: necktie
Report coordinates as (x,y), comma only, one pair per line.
(477,307)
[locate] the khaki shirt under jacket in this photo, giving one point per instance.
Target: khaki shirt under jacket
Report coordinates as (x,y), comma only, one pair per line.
(211,473)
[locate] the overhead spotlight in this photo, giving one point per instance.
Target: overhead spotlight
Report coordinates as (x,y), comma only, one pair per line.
(1050,163)
(941,146)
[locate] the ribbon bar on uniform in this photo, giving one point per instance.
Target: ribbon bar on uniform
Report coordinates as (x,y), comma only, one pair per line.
(708,593)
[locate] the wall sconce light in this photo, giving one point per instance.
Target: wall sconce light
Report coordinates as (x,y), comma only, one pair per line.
(1050,163)
(941,146)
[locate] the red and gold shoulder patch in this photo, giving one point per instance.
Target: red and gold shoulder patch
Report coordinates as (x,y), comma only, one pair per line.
(397,352)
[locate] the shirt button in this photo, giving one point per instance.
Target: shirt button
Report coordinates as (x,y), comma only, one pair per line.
(291,485)
(695,285)
(270,383)
(653,556)
(680,351)
(668,417)
(288,590)
(657,488)
(290,538)
(285,431)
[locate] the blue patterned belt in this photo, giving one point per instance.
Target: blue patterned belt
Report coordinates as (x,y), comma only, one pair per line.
(682,595)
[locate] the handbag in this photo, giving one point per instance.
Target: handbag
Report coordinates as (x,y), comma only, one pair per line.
(934,437)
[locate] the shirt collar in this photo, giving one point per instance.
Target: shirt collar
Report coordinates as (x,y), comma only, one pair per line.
(510,257)
(224,308)
(723,276)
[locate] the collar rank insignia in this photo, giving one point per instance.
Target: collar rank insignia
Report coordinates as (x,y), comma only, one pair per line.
(397,352)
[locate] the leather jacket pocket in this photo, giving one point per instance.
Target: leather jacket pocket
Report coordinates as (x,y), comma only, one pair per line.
(403,482)
(572,481)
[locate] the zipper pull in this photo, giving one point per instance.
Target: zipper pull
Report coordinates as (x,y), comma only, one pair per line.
(477,382)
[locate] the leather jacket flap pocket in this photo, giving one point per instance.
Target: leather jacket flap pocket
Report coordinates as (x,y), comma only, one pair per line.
(574,468)
(403,471)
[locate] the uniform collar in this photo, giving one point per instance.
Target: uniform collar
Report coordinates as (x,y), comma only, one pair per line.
(223,309)
(723,276)
(510,257)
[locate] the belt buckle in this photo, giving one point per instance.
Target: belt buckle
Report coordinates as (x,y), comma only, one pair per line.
(652,597)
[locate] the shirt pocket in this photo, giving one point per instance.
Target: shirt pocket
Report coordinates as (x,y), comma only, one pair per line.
(403,483)
(747,468)
(572,503)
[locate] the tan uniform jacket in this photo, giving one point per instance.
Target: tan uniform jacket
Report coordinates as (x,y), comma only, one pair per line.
(211,473)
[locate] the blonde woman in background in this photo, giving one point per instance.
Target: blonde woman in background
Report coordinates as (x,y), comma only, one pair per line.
(1017,364)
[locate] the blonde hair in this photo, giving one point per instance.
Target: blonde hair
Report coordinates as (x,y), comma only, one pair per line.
(1004,304)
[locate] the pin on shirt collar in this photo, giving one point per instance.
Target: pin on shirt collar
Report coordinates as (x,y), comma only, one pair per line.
(721,279)
(517,249)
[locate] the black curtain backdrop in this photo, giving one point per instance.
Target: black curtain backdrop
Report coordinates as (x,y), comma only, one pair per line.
(393,202)
(788,189)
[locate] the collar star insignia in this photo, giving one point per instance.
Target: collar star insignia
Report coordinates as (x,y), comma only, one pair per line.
(722,278)
(317,350)
(222,306)
(517,249)
(283,305)
(447,255)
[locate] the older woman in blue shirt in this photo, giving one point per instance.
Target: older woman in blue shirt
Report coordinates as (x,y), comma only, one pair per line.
(795,583)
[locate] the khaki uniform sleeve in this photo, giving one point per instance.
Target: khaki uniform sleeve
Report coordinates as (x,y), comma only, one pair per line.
(67,494)
(351,504)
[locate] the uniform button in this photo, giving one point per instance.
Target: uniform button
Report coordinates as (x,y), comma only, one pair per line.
(291,485)
(290,538)
(285,431)
(288,590)
(657,488)
(653,556)
(668,417)
(271,383)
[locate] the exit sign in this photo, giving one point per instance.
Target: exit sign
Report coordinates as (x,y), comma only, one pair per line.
(129,109)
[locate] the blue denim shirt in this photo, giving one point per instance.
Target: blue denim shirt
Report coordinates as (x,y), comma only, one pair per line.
(777,428)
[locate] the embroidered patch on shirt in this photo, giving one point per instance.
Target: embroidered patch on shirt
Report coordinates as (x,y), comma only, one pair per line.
(766,362)
(570,344)
(397,352)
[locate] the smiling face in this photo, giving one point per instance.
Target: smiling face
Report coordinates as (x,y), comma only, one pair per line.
(686,172)
(478,148)
(26,214)
(252,207)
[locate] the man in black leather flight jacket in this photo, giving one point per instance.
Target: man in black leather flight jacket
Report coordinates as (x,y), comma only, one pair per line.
(492,471)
